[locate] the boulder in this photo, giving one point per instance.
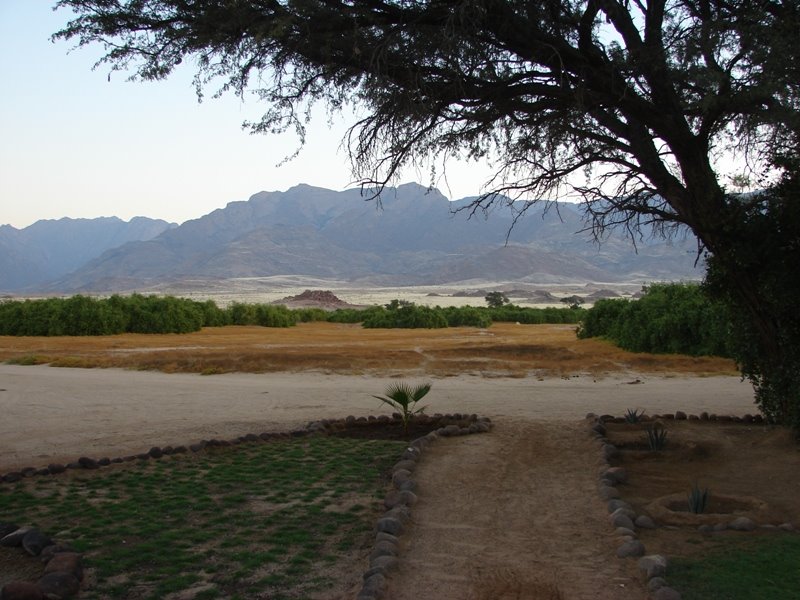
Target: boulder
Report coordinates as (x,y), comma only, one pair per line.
(35,541)
(631,548)
(21,590)
(63,585)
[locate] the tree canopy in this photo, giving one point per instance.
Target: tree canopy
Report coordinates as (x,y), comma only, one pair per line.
(629,103)
(641,95)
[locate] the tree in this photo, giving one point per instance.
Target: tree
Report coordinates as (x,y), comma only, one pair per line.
(573,301)
(629,103)
(496,299)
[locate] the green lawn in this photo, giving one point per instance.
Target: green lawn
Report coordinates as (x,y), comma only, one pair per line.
(763,568)
(271,519)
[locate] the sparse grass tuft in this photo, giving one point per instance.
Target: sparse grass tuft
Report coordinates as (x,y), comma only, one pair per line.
(698,500)
(656,437)
(633,415)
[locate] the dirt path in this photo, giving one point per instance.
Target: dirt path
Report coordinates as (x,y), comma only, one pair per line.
(510,516)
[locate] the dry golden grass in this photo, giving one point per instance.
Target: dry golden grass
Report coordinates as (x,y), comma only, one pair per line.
(502,350)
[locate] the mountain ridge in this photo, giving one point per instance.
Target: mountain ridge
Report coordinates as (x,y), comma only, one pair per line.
(411,236)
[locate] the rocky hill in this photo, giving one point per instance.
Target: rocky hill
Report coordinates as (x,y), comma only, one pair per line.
(413,236)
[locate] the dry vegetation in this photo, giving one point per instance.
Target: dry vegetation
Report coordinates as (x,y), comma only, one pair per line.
(502,350)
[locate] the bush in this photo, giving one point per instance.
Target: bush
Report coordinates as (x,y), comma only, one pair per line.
(669,318)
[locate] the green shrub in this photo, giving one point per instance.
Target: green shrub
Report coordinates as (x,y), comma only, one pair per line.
(669,318)
(406,316)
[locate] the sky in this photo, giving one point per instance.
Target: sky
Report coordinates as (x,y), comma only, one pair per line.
(74,144)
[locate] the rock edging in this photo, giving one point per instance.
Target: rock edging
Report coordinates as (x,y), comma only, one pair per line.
(624,519)
(400,499)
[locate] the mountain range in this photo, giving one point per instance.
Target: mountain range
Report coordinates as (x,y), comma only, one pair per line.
(412,236)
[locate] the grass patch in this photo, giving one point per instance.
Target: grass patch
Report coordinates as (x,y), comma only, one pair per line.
(258,520)
(761,569)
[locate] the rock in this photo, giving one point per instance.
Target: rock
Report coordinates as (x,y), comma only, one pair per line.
(88,463)
(599,429)
(375,583)
(616,474)
(610,451)
(155,452)
(786,527)
(14,539)
(390,525)
(680,415)
(407,465)
(630,549)
(12,477)
(6,528)
(616,503)
(666,593)
(66,562)
(21,590)
(64,585)
(719,527)
(382,536)
(104,462)
(50,551)
(656,583)
(653,565)
(408,486)
(382,565)
(622,520)
(196,447)
(644,522)
(400,498)
(624,510)
(400,476)
(625,532)
(35,541)
(608,492)
(742,524)
(383,549)
(449,430)
(705,529)
(56,468)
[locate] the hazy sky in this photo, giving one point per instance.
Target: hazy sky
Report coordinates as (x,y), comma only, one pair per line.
(73,144)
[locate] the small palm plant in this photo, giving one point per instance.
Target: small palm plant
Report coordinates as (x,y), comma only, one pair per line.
(403,397)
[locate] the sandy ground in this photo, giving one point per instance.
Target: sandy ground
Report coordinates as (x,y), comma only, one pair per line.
(55,414)
(513,516)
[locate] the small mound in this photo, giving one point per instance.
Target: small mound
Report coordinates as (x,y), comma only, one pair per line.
(315,299)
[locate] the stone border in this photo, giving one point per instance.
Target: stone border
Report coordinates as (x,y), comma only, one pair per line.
(624,519)
(64,567)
